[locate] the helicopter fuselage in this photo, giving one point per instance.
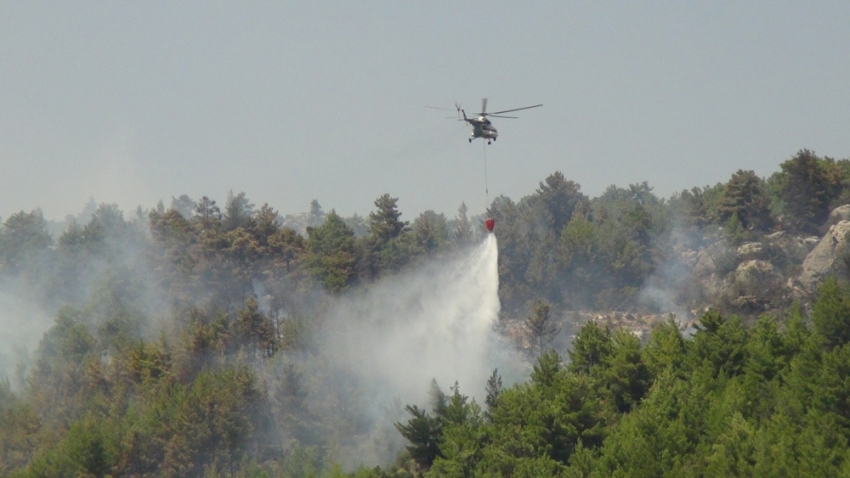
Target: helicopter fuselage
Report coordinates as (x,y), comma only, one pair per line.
(482,128)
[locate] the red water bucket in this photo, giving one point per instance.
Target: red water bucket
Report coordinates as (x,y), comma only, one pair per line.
(490,223)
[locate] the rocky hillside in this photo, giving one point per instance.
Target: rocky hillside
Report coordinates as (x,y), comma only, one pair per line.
(747,279)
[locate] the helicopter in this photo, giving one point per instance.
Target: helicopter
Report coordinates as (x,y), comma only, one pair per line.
(481,126)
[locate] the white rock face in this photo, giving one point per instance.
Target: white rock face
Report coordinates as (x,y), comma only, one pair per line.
(811,241)
(827,257)
(749,251)
(841,213)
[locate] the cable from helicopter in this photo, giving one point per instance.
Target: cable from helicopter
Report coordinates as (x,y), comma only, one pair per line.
(489,223)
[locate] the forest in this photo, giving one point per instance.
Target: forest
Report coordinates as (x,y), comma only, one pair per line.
(704,334)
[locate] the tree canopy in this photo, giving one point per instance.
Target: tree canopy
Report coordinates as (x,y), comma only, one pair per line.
(191,340)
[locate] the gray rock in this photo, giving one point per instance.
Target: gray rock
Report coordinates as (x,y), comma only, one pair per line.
(703,265)
(793,249)
(755,278)
(689,258)
(749,251)
(714,259)
(796,288)
(827,257)
(714,285)
(811,242)
(752,303)
(841,213)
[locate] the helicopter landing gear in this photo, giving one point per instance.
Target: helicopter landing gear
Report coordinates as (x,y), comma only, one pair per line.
(470,140)
(489,142)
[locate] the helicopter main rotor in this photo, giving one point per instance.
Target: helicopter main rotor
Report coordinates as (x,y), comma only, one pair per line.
(483,112)
(498,114)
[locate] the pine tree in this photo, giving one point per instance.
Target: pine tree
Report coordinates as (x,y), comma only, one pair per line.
(494,389)
(541,326)
(831,314)
(387,247)
(423,432)
(626,374)
(430,231)
(208,214)
(590,348)
(332,253)
(808,185)
(561,199)
(184,205)
(384,223)
(316,216)
(238,211)
(463,230)
(746,197)
(23,237)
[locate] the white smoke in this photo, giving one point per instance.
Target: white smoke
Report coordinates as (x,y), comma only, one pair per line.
(661,291)
(380,346)
(22,324)
(435,322)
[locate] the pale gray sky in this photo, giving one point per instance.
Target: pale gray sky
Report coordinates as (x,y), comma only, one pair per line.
(133,102)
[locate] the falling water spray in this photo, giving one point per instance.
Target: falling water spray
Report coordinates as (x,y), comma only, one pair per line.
(381,346)
(434,322)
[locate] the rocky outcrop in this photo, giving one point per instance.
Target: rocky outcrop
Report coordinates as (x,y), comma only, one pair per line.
(757,286)
(754,277)
(716,259)
(841,213)
(750,251)
(761,275)
(714,285)
(791,248)
(827,258)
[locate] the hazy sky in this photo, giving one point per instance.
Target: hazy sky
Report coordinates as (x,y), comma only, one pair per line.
(136,102)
